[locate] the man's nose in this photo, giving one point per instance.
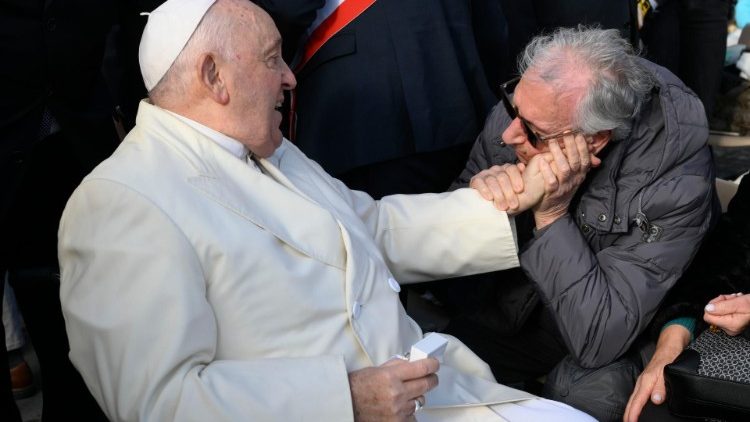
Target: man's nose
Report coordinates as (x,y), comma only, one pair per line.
(288,80)
(514,133)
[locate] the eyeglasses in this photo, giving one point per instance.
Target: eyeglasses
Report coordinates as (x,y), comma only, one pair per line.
(533,137)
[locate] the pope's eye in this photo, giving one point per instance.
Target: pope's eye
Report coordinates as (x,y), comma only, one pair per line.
(274,61)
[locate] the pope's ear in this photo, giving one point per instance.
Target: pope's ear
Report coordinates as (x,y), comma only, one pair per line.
(212,79)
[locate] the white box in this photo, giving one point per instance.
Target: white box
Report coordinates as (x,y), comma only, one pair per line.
(431,346)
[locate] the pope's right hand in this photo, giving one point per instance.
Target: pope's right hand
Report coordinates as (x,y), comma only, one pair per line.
(388,392)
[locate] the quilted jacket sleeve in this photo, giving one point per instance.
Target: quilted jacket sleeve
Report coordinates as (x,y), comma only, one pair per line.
(603,300)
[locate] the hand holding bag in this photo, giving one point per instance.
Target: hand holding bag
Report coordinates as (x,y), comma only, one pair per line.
(711,378)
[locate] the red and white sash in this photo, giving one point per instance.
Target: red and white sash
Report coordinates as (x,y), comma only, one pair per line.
(330,19)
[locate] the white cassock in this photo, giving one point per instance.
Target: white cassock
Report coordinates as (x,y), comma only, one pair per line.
(196,287)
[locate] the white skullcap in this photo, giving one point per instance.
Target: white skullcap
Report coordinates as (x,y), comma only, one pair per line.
(168,29)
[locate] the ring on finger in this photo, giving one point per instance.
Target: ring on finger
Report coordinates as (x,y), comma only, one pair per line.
(418,403)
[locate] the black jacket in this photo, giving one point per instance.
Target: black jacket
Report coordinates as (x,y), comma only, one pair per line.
(403,77)
(604,269)
(53,54)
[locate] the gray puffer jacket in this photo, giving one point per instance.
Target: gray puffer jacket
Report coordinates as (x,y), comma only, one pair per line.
(634,227)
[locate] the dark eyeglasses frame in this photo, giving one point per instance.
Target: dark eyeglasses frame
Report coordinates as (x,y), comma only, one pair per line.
(533,137)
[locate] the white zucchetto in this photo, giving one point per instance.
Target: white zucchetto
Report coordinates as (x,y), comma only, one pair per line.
(168,29)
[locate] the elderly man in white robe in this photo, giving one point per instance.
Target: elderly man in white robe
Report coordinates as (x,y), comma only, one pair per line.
(210,271)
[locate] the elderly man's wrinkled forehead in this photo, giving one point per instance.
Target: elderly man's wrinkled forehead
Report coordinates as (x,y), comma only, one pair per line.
(249,18)
(566,73)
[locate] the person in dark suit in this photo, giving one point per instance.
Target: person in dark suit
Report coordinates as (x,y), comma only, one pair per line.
(529,18)
(392,102)
(689,37)
(56,124)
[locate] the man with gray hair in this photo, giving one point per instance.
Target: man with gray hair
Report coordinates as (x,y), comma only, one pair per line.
(210,271)
(601,258)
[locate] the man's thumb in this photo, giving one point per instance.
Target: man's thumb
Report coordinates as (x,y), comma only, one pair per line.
(722,308)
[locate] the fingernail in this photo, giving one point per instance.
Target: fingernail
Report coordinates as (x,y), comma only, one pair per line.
(656,397)
(710,307)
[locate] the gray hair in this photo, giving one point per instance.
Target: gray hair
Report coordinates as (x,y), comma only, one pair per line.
(618,86)
(213,34)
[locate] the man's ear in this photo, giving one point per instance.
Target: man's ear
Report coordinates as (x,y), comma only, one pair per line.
(212,79)
(600,140)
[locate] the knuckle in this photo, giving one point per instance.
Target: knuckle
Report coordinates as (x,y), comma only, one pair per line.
(393,408)
(389,377)
(393,395)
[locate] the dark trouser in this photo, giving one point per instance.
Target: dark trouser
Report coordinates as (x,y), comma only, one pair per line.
(11,169)
(688,37)
(515,358)
(601,392)
(37,185)
(8,409)
(660,413)
(65,396)
(537,350)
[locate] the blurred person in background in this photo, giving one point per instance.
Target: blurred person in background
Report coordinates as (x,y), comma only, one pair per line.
(56,124)
(689,37)
(392,100)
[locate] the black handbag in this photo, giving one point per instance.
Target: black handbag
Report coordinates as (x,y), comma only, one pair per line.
(710,379)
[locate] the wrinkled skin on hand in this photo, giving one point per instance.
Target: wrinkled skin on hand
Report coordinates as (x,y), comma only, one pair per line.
(388,392)
(546,185)
(650,384)
(506,186)
(569,168)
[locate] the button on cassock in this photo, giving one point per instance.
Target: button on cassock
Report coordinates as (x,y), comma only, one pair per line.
(394,284)
(356,310)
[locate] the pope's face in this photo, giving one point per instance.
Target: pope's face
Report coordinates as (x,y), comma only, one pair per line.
(259,77)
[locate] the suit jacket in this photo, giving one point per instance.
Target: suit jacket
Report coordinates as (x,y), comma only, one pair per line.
(54,56)
(55,51)
(403,77)
(527,19)
(197,288)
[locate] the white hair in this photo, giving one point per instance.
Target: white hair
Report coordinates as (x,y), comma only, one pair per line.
(618,86)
